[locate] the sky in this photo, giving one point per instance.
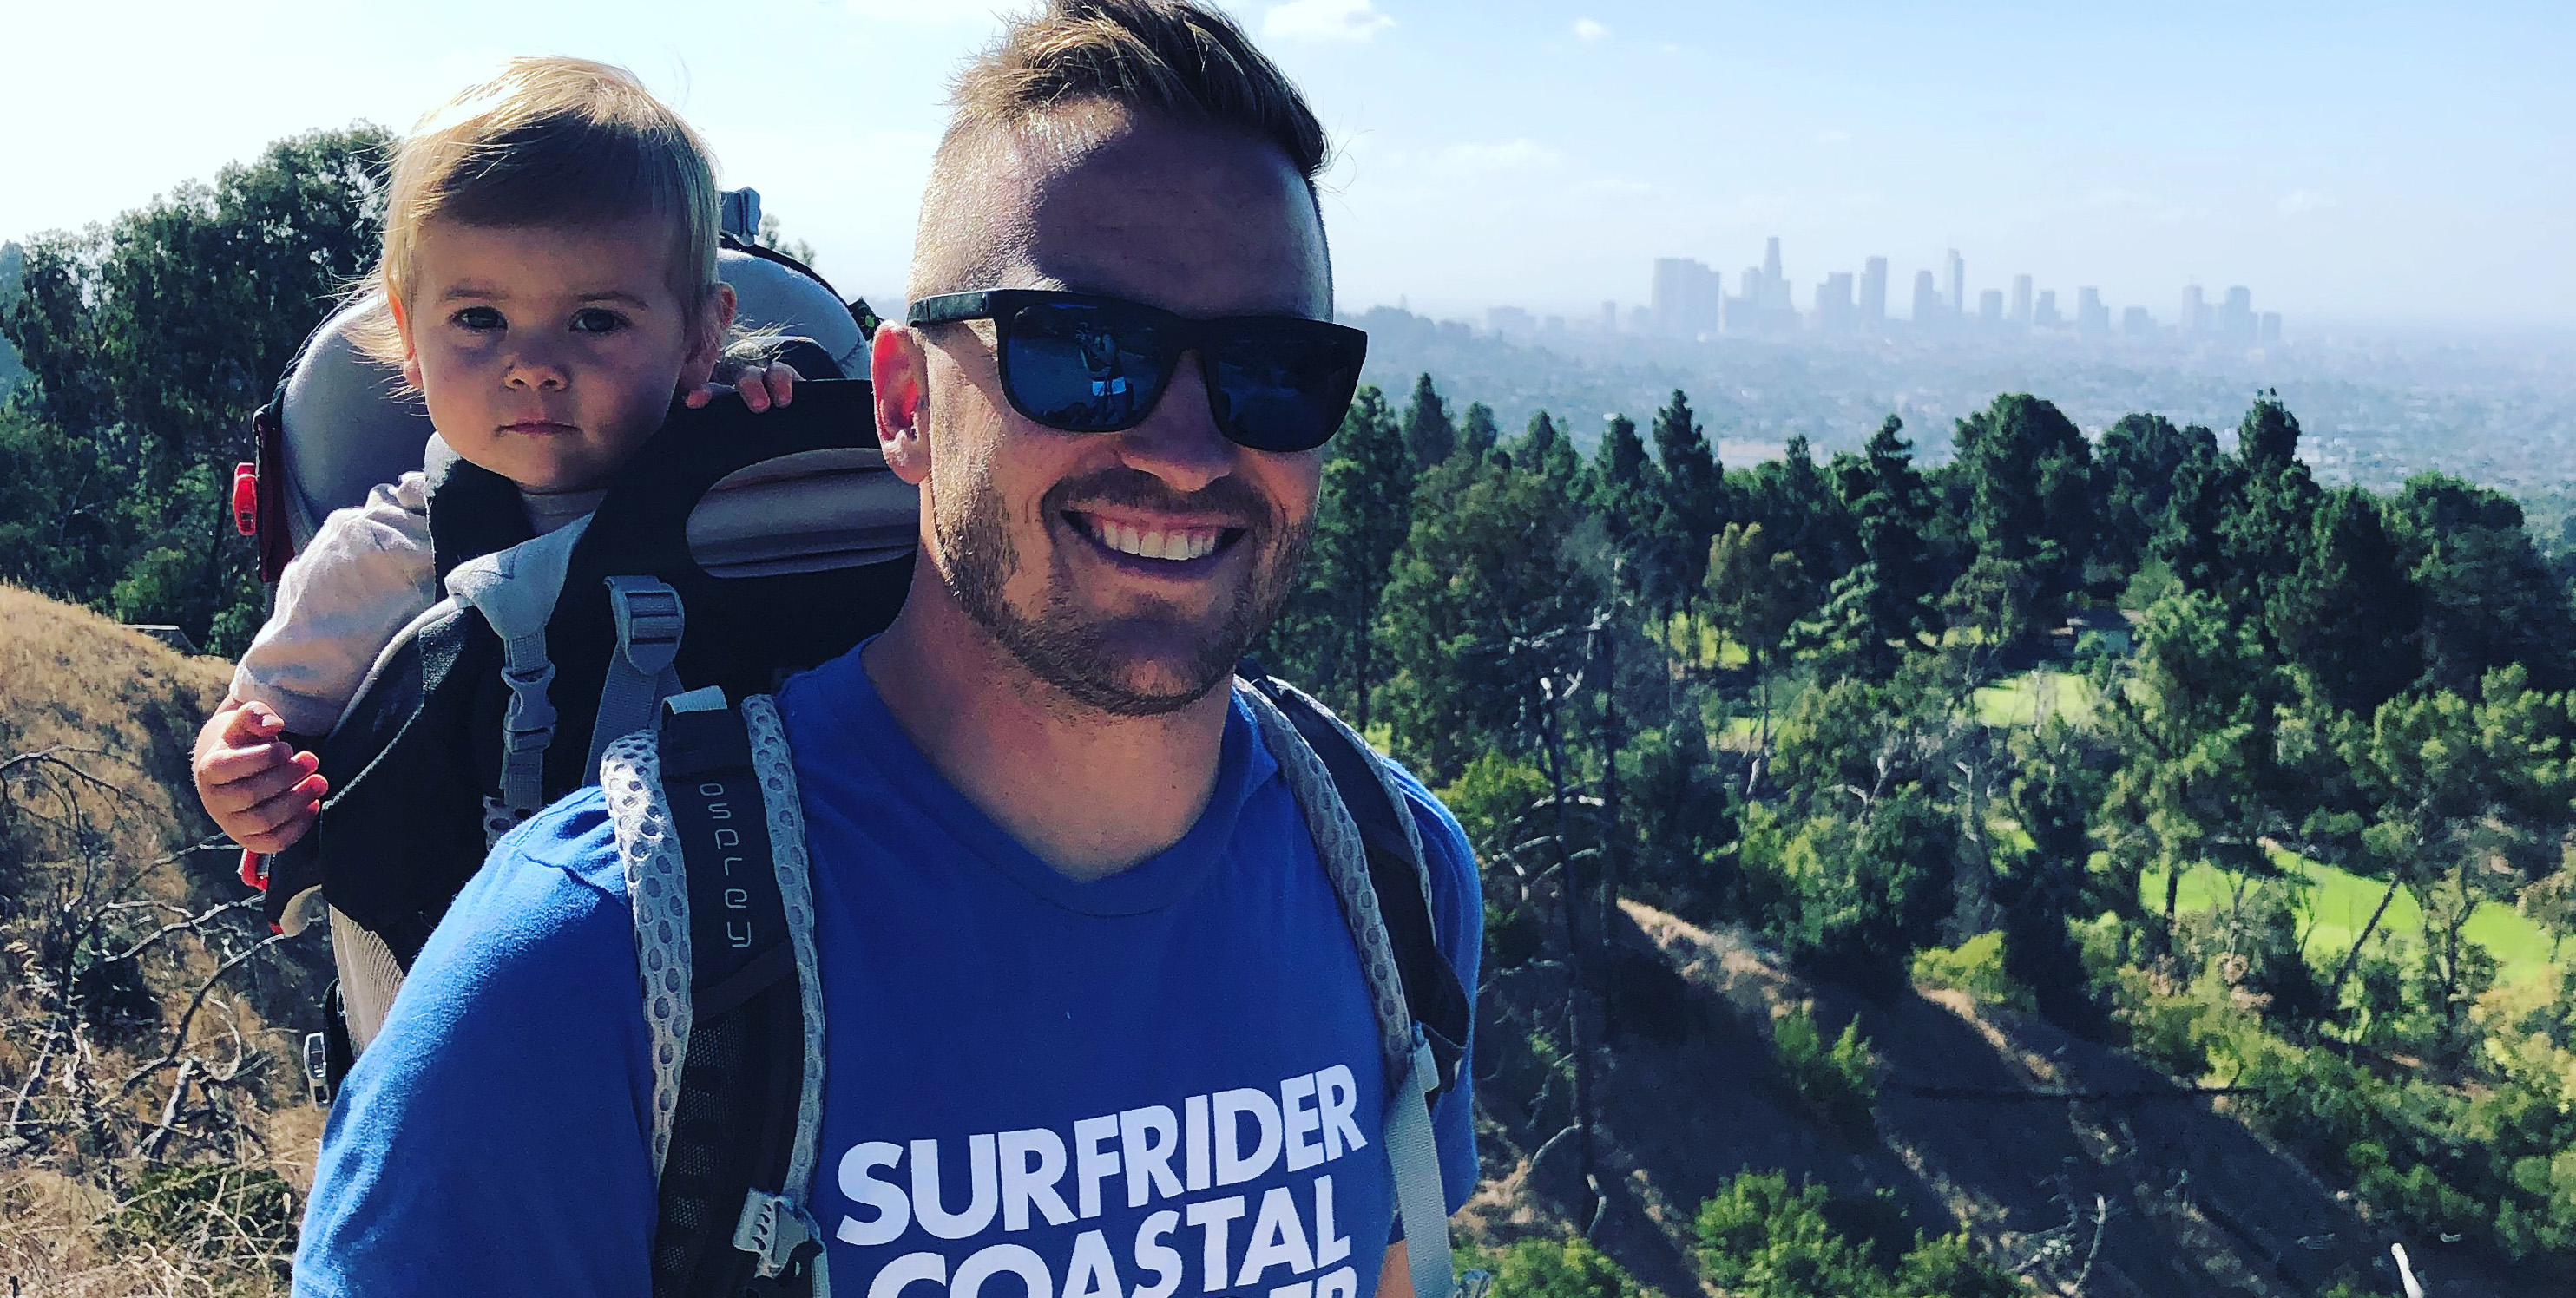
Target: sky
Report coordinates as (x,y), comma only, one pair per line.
(2356,162)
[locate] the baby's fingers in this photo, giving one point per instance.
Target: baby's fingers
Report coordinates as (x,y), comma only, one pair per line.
(237,778)
(271,825)
(250,723)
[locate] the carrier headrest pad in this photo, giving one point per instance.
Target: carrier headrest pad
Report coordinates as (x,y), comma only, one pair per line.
(768,295)
(348,422)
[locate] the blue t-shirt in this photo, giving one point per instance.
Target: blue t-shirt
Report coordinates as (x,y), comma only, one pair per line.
(1161,1084)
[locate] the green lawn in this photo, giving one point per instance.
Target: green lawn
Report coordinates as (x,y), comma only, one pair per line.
(2021,700)
(2339,903)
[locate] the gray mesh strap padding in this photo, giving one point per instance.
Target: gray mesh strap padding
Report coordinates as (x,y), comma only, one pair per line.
(657,884)
(1410,1147)
(515,590)
(649,621)
(369,977)
(776,768)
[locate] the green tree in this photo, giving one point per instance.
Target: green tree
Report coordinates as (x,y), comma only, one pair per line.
(1429,436)
(1890,508)
(1362,513)
(148,343)
(1477,434)
(1485,605)
(2138,462)
(2488,596)
(2195,728)
(2347,615)
(2028,473)
(1694,498)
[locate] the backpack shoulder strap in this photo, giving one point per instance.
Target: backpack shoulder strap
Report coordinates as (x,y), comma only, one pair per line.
(1397,870)
(1411,1065)
(711,832)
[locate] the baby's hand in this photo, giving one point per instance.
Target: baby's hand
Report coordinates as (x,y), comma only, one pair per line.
(258,788)
(762,385)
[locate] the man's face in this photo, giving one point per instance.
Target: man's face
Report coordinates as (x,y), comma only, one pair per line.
(1129,570)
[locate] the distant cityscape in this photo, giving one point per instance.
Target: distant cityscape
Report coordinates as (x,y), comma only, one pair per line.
(1689,300)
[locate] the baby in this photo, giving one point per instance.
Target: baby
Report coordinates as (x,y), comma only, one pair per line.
(550,268)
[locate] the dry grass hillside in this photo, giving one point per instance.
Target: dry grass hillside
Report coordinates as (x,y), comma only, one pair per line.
(2145,1192)
(153,1134)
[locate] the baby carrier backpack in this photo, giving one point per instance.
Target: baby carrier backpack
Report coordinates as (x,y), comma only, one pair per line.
(635,649)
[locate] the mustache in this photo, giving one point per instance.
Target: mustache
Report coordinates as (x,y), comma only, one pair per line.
(1229,497)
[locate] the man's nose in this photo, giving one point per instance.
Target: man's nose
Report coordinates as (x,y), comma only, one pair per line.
(1179,441)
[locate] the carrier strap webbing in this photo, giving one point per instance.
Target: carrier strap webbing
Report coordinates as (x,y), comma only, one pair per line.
(650,620)
(515,591)
(1411,1069)
(709,822)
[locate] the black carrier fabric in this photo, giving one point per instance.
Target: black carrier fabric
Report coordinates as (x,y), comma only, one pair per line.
(411,765)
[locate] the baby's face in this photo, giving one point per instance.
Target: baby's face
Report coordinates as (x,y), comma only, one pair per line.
(548,355)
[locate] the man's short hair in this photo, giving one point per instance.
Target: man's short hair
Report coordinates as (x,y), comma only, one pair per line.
(1171,57)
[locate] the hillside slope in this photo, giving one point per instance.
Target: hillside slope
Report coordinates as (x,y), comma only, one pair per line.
(2190,1200)
(153,1133)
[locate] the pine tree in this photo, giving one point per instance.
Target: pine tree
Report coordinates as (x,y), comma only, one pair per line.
(1323,638)
(1476,432)
(2347,616)
(1891,512)
(1429,437)
(2028,471)
(1694,499)
(2137,464)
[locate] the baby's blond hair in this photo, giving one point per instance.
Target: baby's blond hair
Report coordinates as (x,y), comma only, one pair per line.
(550,142)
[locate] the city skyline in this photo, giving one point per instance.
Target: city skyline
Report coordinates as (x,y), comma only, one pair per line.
(1688,298)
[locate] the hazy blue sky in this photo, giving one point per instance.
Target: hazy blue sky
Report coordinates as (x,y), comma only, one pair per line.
(2356,161)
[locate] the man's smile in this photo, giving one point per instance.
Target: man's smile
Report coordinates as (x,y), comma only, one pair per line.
(1163,547)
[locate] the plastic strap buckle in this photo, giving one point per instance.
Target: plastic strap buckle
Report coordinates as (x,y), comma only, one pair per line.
(775,1231)
(649,622)
(317,1068)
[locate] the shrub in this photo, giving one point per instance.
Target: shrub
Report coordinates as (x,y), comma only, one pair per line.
(1840,1081)
(1553,1268)
(1976,967)
(1760,1239)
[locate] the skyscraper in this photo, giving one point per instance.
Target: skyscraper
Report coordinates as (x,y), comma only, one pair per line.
(1771,264)
(1927,299)
(2092,319)
(2236,321)
(2193,320)
(1958,283)
(2045,316)
(1873,291)
(1834,313)
(2136,323)
(2271,329)
(1990,308)
(2021,301)
(1686,297)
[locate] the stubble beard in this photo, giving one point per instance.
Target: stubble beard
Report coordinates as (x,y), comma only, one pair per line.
(1077,651)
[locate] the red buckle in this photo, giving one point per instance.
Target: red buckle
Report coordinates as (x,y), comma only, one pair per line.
(246,498)
(254,869)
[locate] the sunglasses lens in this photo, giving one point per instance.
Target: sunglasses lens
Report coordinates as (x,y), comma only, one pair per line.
(1284,385)
(1082,368)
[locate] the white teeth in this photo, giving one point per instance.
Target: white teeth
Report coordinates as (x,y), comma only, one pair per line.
(1175,546)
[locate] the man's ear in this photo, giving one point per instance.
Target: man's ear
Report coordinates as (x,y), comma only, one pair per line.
(899,371)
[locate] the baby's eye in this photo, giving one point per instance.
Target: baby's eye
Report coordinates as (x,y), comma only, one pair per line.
(597,320)
(478,319)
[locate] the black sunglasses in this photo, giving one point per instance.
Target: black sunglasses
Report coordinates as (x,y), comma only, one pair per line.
(1084,363)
